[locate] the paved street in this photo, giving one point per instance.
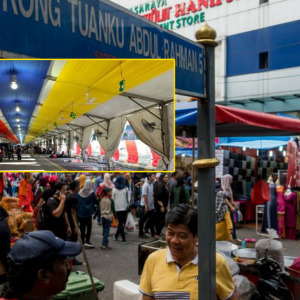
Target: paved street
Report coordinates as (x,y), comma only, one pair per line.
(44,163)
(122,261)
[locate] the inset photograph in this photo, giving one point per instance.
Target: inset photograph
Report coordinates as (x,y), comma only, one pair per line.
(87,115)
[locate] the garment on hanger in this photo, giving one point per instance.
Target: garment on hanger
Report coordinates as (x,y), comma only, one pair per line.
(292,160)
(270,211)
(280,211)
(290,200)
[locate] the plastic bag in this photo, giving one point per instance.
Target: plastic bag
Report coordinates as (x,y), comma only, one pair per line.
(240,216)
(244,288)
(270,248)
(114,222)
(130,224)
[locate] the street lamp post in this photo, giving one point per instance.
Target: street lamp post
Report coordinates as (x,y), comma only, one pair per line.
(205,165)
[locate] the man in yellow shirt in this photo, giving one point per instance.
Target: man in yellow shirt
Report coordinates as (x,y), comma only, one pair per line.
(173,273)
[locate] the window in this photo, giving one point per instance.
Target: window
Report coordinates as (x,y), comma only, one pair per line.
(263,1)
(263,60)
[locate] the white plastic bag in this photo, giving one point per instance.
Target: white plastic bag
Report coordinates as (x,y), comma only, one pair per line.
(130,224)
(244,288)
(270,248)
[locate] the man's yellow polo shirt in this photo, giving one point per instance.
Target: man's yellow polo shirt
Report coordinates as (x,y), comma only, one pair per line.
(163,279)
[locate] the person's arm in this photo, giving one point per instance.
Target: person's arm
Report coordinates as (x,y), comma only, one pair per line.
(224,282)
(59,210)
(114,209)
(230,205)
(69,230)
(146,202)
(74,218)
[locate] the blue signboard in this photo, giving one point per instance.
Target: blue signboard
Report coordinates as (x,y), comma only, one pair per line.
(96,29)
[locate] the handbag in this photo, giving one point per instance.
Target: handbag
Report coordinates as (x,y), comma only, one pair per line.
(140,211)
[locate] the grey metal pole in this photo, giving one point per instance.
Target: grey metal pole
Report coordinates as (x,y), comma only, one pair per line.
(206,171)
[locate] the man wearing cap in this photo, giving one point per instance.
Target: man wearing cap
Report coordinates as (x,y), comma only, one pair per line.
(37,266)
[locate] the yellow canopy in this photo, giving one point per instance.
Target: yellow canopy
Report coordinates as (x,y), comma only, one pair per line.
(101,78)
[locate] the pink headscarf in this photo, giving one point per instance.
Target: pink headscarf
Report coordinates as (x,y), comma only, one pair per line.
(107,182)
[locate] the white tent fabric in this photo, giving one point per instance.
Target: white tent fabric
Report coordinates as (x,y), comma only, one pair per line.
(154,139)
(86,139)
(114,131)
(71,142)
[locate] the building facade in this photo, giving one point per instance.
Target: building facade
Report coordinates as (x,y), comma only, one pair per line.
(257,60)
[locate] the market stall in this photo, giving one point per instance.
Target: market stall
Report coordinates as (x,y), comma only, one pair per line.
(248,166)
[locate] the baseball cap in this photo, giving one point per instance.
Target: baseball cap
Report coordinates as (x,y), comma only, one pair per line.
(42,244)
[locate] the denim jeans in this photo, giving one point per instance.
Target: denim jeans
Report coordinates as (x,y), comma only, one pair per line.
(106,228)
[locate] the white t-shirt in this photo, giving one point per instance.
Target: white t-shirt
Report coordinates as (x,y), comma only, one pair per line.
(148,191)
(121,198)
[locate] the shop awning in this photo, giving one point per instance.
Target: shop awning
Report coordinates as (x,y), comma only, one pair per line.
(235,122)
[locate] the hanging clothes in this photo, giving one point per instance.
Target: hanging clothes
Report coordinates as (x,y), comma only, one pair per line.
(290,215)
(270,211)
(298,211)
(292,160)
(280,211)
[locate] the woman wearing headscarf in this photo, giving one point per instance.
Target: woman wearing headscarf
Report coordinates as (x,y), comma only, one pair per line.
(223,220)
(41,188)
(121,198)
(130,186)
(226,182)
(180,193)
(81,180)
(86,199)
(99,194)
(25,194)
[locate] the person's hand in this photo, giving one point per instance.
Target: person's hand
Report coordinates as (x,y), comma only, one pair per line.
(162,209)
(230,231)
(232,209)
(146,208)
(69,231)
(62,197)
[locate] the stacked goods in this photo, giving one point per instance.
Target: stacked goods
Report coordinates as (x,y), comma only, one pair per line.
(19,222)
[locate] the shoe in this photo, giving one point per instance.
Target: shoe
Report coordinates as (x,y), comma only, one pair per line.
(99,223)
(89,246)
(76,262)
(114,238)
(105,248)
(143,236)
(124,242)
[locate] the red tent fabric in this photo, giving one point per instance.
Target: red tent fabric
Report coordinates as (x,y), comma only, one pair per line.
(226,114)
(237,122)
(233,120)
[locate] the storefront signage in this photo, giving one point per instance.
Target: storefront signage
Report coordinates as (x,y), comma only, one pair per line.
(182,14)
(101,29)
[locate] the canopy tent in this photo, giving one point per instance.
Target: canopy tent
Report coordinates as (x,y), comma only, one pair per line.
(235,122)
(260,143)
(67,99)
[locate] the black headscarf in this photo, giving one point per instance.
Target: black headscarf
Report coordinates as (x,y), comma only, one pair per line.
(120,183)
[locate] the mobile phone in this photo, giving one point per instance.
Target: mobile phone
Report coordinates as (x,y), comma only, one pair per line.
(58,193)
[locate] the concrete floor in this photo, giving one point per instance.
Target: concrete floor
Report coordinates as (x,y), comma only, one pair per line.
(122,261)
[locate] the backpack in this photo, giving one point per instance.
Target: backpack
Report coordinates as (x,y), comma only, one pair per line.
(39,215)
